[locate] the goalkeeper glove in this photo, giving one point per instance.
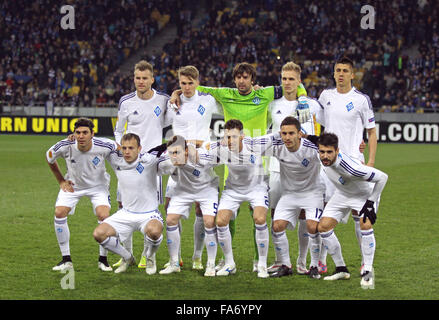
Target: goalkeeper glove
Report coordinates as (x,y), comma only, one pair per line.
(368,211)
(302,110)
(159,149)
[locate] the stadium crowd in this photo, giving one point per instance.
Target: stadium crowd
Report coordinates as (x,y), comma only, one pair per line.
(397,63)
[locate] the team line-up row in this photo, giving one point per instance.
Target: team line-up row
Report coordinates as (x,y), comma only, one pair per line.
(319,179)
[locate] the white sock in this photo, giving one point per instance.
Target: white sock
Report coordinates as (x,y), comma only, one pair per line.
(330,241)
(102,251)
(62,235)
(128,243)
(282,248)
(113,244)
(173,240)
(151,245)
(276,258)
(368,245)
(314,246)
(323,252)
(180,230)
(225,241)
(358,233)
(303,241)
(261,236)
(199,235)
(211,244)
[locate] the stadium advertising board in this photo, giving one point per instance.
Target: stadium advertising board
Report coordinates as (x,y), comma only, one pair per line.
(401,132)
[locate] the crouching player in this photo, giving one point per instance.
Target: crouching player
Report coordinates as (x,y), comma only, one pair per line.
(245,182)
(194,183)
(358,187)
(137,176)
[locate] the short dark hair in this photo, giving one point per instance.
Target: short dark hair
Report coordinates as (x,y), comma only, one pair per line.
(328,139)
(234,124)
(246,67)
(288,121)
(84,122)
(345,60)
(178,140)
(130,136)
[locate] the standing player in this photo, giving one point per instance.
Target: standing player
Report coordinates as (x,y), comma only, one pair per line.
(143,112)
(248,105)
(279,109)
(192,122)
(137,176)
(302,189)
(245,182)
(353,182)
(86,177)
(346,112)
(194,183)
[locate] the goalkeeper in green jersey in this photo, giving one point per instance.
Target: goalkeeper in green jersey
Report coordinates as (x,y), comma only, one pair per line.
(248,105)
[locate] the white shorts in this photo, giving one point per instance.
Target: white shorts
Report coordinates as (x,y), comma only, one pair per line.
(329,186)
(99,196)
(274,191)
(181,202)
(231,199)
(126,222)
(341,205)
(290,205)
(170,187)
(159,191)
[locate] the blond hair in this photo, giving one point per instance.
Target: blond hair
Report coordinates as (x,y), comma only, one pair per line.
(291,66)
(144,65)
(189,71)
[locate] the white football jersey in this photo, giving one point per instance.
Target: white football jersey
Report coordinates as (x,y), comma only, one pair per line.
(246,170)
(84,169)
(355,179)
(146,118)
(346,115)
(191,177)
(280,109)
(192,120)
(137,181)
(299,170)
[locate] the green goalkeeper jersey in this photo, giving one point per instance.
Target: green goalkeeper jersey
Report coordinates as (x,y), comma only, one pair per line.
(251,109)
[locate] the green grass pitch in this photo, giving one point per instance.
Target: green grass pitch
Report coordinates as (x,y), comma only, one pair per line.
(405,261)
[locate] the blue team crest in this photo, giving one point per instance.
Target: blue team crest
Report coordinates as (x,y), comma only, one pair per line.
(135,112)
(252,159)
(157,111)
(341,180)
(140,168)
(350,106)
(256,100)
(196,172)
(201,109)
(305,162)
(96,160)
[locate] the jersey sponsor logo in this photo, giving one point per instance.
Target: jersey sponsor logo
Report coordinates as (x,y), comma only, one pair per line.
(350,106)
(341,180)
(305,162)
(196,173)
(157,111)
(201,109)
(256,100)
(96,160)
(140,168)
